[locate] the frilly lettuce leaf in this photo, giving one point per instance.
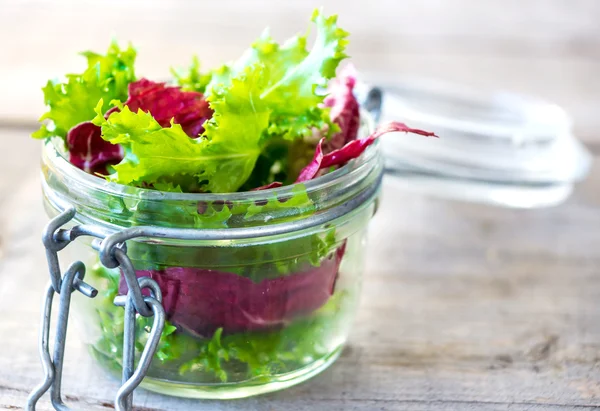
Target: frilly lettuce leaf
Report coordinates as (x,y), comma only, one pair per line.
(296,77)
(192,79)
(301,79)
(272,93)
(106,77)
(219,162)
(295,93)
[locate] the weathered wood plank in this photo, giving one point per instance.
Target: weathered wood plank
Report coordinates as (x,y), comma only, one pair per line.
(465,307)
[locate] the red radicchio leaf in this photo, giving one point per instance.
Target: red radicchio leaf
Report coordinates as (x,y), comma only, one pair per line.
(166,103)
(88,151)
(202,300)
(274,184)
(311,170)
(353,149)
(344,108)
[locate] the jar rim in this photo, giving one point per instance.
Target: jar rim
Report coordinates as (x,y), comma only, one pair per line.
(93,182)
(115,206)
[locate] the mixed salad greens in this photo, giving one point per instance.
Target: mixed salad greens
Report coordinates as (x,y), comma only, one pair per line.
(221,356)
(254,123)
(278,115)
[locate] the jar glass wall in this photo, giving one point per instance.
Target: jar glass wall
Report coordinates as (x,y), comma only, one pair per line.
(244,315)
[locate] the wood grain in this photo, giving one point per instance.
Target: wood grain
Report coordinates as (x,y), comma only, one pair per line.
(550,48)
(465,307)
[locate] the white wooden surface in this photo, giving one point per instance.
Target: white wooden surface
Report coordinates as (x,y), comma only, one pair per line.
(465,307)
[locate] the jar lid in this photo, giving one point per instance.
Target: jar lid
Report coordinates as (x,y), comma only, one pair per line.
(499,148)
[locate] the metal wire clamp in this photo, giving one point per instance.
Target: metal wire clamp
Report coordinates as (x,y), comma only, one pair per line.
(55,238)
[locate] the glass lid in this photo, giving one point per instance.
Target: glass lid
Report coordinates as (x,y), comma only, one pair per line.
(499,148)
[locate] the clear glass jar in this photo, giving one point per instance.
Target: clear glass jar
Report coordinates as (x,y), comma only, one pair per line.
(245,316)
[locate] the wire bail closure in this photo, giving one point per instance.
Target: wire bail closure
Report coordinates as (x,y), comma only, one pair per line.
(56,238)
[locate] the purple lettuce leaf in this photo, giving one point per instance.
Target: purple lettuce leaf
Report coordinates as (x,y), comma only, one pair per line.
(167,103)
(311,170)
(88,151)
(352,150)
(344,109)
(274,184)
(200,301)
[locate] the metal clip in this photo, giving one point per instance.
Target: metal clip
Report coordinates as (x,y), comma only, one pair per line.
(132,284)
(55,239)
(72,280)
(131,379)
(53,245)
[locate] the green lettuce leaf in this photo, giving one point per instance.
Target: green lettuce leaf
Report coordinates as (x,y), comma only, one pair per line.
(192,79)
(301,79)
(218,162)
(106,77)
(296,77)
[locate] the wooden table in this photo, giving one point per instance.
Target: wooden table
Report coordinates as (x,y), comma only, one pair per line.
(464,307)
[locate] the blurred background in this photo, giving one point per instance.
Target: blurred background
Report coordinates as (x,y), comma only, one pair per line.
(549,48)
(465,306)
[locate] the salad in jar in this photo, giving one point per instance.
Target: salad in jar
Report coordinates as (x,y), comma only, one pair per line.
(275,136)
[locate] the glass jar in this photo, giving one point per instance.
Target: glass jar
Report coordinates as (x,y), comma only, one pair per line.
(244,315)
